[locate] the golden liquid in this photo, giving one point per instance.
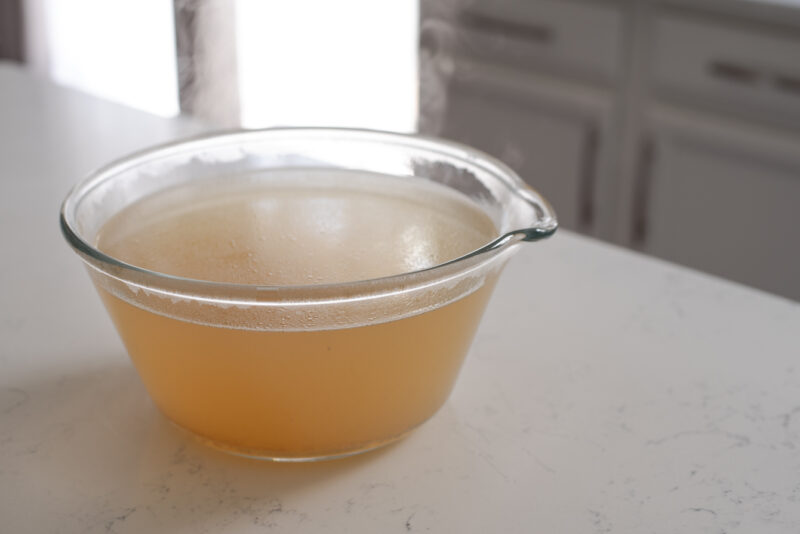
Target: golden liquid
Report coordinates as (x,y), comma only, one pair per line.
(311,392)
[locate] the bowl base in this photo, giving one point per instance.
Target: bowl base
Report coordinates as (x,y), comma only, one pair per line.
(281,456)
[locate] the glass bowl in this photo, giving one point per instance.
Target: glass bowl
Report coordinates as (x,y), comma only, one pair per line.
(302,372)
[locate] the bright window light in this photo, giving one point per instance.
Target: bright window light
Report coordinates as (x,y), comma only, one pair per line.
(122,50)
(321,63)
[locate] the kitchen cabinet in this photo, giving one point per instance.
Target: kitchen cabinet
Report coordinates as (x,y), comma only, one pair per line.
(553,143)
(668,126)
(734,67)
(528,82)
(722,198)
(574,39)
(716,183)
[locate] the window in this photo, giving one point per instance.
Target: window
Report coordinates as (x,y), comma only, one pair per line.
(122,50)
(306,62)
(315,62)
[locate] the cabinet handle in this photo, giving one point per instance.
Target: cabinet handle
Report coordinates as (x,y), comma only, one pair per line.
(787,84)
(739,74)
(537,33)
(729,71)
(641,192)
(588,174)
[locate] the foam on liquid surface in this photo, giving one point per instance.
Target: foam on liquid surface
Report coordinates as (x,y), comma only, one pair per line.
(300,227)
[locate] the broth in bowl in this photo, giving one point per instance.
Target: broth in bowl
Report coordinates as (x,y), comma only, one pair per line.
(299,392)
(300,293)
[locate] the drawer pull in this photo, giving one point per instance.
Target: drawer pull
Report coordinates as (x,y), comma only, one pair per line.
(536,33)
(788,84)
(733,72)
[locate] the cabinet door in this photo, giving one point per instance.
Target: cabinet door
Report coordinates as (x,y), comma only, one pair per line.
(555,153)
(726,207)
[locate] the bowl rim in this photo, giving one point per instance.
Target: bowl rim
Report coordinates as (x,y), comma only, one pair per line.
(152,280)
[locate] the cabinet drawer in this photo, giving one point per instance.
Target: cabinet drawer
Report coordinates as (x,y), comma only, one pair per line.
(569,36)
(745,68)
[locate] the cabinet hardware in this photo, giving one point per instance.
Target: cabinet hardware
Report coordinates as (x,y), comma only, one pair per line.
(733,72)
(787,84)
(537,33)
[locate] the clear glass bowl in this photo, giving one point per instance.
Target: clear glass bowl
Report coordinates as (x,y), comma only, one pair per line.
(302,372)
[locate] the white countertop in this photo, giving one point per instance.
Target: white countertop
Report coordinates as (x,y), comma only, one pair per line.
(605,392)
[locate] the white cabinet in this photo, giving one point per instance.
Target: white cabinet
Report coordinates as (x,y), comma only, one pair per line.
(528,82)
(740,68)
(722,198)
(669,126)
(717,182)
(573,38)
(552,140)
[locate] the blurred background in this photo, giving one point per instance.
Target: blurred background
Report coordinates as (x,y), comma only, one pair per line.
(668,126)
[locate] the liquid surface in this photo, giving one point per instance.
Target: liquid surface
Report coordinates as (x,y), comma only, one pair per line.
(297,394)
(303,228)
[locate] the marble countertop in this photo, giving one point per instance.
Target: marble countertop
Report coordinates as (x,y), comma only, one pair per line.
(606,392)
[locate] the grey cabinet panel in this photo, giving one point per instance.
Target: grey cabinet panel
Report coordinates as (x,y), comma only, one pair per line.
(555,155)
(671,126)
(729,211)
(737,68)
(576,38)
